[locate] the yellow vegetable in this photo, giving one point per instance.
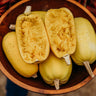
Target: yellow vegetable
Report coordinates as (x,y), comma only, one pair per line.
(55,71)
(11,50)
(32,37)
(85,53)
(41,14)
(61,32)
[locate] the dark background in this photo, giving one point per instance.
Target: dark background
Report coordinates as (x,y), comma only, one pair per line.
(89,4)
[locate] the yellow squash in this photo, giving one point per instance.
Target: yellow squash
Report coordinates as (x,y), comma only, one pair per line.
(85,53)
(11,50)
(32,38)
(40,13)
(61,32)
(55,71)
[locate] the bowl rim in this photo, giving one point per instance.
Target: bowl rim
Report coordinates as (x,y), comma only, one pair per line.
(38,90)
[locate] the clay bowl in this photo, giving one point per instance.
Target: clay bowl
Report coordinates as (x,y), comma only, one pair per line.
(79,75)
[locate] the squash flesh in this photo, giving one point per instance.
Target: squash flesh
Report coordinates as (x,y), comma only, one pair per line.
(32,39)
(61,31)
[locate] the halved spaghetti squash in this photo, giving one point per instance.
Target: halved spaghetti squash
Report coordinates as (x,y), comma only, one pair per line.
(61,31)
(32,38)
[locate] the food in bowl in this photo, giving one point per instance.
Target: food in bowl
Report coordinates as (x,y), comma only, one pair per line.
(43,20)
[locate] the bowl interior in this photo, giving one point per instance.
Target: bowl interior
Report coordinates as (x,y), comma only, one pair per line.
(78,73)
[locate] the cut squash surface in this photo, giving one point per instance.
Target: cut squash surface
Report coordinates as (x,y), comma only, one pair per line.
(61,31)
(32,39)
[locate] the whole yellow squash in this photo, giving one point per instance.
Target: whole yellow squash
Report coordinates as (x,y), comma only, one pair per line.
(55,71)
(11,51)
(86,44)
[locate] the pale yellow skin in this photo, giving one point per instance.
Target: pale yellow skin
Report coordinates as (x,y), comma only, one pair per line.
(40,13)
(54,68)
(11,51)
(86,42)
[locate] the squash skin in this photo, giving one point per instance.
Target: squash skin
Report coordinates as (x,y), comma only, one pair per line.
(86,42)
(41,14)
(11,51)
(55,68)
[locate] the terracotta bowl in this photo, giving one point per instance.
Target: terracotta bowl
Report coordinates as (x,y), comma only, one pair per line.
(79,75)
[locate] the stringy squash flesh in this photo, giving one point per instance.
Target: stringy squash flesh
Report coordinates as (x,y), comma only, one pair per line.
(61,31)
(32,39)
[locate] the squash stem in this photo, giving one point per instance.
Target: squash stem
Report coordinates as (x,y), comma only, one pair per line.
(56,83)
(67,59)
(27,10)
(12,26)
(87,66)
(35,75)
